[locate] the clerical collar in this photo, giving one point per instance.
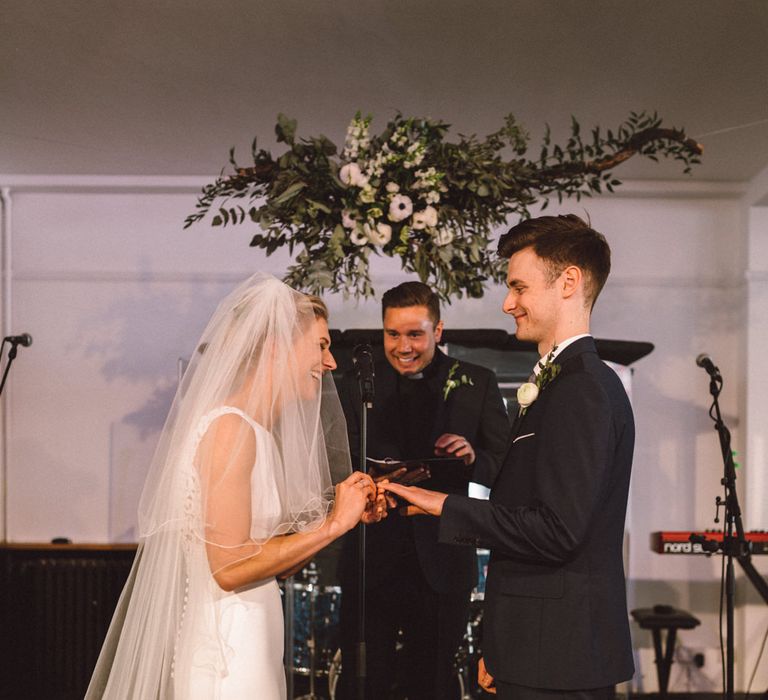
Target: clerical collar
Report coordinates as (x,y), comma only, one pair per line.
(429,371)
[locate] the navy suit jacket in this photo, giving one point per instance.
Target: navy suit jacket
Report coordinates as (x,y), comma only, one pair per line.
(474,411)
(555,604)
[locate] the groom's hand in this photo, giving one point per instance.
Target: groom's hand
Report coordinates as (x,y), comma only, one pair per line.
(423,501)
(485,679)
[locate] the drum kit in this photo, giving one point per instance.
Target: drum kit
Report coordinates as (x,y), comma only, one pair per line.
(313,656)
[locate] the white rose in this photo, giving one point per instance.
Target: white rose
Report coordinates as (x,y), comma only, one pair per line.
(419,220)
(381,235)
(358,236)
(526,394)
(393,187)
(350,174)
(348,218)
(443,236)
(401,207)
(430,216)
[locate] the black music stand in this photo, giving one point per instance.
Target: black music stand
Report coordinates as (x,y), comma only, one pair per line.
(657,619)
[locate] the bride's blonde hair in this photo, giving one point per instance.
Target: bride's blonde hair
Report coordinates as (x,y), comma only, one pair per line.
(318,306)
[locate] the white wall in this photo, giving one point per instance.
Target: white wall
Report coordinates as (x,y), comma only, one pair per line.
(113,291)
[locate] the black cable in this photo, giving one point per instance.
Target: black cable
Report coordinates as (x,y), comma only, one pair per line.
(757,662)
(722,596)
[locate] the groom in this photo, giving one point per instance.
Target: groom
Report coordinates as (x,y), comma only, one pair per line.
(555,619)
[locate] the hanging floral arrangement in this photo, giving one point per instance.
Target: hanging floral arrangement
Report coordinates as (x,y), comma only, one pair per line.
(408,192)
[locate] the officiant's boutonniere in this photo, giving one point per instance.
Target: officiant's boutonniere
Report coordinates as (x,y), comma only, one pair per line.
(527,393)
(451,383)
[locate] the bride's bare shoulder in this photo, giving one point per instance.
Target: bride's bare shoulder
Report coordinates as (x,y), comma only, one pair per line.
(228,437)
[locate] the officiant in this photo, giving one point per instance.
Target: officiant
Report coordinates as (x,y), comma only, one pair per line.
(417,590)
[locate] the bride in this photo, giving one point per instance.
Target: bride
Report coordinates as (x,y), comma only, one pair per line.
(240,491)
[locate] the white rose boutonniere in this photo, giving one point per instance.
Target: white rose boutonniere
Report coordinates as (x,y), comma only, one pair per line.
(527,393)
(451,383)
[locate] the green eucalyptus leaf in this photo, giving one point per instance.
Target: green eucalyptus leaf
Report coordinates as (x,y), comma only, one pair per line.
(285,129)
(289,192)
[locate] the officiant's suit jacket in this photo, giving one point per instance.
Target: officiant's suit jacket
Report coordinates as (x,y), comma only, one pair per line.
(475,412)
(555,605)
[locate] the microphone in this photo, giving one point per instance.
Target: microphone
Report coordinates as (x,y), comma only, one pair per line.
(705,361)
(24,339)
(362,359)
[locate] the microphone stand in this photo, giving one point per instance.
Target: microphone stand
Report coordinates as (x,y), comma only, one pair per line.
(363,362)
(733,547)
(11,357)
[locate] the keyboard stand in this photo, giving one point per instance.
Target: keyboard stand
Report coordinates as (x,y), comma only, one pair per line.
(656,619)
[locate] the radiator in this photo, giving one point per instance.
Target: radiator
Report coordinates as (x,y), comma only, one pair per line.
(59,606)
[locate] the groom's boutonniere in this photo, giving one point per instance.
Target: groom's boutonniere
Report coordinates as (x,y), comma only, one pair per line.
(451,383)
(529,392)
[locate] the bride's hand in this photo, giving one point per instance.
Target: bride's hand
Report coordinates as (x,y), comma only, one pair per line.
(376,510)
(352,496)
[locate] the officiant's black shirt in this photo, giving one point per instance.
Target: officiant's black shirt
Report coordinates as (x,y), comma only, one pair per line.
(417,402)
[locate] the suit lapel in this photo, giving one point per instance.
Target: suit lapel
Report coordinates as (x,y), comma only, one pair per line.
(578,347)
(515,426)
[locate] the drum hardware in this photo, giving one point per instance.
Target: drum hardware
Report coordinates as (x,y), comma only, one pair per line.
(469,654)
(465,663)
(315,615)
(334,672)
(312,577)
(311,615)
(478,592)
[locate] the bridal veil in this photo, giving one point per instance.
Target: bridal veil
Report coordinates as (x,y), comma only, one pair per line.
(201,509)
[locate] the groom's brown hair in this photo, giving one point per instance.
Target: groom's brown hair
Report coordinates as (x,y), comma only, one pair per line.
(561,241)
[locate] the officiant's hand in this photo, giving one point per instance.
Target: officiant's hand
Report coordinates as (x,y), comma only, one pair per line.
(423,501)
(485,679)
(450,445)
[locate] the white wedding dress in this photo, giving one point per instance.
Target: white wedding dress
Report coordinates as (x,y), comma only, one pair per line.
(249,620)
(214,496)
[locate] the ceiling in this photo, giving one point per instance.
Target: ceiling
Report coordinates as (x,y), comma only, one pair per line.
(142,87)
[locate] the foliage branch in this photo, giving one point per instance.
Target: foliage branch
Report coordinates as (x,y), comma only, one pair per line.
(409,192)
